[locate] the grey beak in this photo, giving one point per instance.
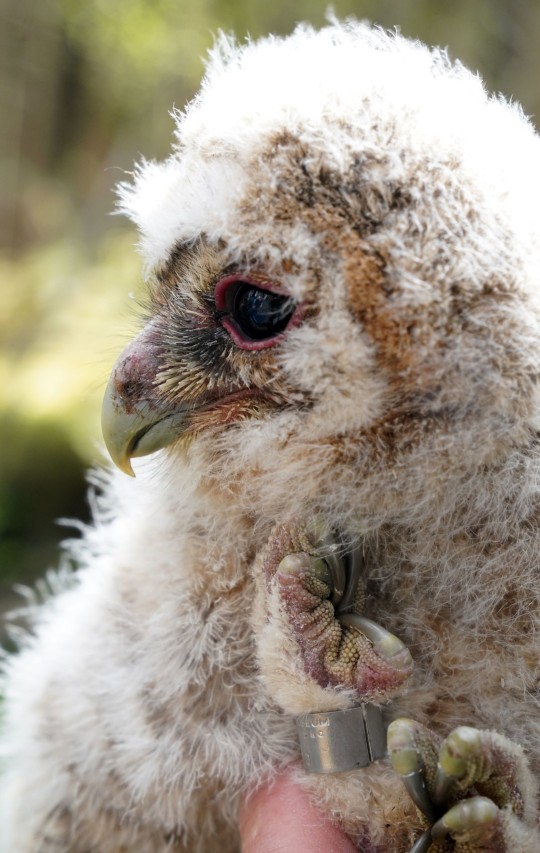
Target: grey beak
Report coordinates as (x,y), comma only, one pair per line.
(135,420)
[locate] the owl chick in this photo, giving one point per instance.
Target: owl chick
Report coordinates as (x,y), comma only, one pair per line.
(339,370)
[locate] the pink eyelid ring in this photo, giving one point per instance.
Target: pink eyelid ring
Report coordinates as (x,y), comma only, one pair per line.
(220,298)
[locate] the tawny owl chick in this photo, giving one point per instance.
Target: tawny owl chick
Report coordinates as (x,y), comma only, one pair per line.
(340,357)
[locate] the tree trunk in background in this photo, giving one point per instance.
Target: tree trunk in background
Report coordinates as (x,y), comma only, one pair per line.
(30,79)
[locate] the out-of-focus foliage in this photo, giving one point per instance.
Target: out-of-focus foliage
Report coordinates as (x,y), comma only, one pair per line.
(86,87)
(57,313)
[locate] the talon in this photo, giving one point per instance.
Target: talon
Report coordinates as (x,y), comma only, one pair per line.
(387,645)
(338,577)
(423,844)
(416,789)
(466,815)
(407,763)
(353,579)
(442,786)
(321,534)
(477,777)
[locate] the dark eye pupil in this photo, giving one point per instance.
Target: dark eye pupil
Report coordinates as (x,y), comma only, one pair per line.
(259,313)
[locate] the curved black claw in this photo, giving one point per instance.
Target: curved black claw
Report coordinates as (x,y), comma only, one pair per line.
(423,844)
(474,812)
(473,788)
(406,759)
(353,570)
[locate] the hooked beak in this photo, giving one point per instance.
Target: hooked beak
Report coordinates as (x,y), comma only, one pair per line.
(135,421)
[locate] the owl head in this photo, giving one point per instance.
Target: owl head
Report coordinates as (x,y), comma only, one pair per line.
(343,253)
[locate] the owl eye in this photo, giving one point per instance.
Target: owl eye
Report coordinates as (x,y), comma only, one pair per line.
(254,316)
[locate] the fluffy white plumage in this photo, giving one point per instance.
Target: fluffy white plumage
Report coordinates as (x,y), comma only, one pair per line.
(304,84)
(398,203)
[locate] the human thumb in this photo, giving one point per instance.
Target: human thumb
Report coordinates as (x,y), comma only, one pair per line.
(279,818)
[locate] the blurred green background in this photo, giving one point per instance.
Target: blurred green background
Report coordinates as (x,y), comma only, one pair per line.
(86,87)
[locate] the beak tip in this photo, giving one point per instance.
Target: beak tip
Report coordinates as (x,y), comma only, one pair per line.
(125,467)
(115,430)
(121,460)
(138,429)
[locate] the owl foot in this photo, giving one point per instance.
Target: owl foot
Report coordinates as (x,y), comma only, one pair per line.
(322,601)
(474,789)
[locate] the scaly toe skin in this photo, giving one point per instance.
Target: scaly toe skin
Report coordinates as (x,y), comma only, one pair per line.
(477,825)
(350,650)
(380,662)
(287,539)
(339,648)
(484,760)
(460,757)
(477,783)
(385,644)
